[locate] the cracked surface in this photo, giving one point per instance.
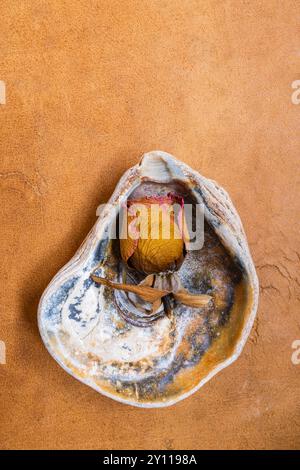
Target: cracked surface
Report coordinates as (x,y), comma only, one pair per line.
(89,88)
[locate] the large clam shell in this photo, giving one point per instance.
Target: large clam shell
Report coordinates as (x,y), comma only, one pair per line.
(169,360)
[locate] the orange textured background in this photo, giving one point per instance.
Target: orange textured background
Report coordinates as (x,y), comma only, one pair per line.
(91,85)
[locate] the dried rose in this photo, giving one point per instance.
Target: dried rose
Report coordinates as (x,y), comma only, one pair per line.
(152,236)
(152,241)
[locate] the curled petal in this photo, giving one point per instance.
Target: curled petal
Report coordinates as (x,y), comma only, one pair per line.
(148,294)
(192,300)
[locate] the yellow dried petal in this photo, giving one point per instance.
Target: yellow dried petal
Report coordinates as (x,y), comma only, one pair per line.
(160,244)
(127,248)
(154,256)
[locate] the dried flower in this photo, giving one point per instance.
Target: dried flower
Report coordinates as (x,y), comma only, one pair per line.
(152,241)
(152,238)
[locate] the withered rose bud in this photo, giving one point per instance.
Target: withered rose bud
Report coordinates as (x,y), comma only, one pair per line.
(152,240)
(152,235)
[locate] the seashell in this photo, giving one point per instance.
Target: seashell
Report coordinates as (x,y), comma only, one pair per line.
(135,345)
